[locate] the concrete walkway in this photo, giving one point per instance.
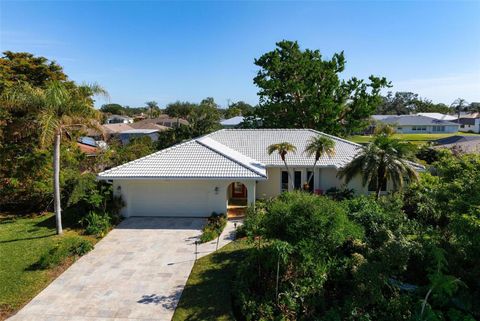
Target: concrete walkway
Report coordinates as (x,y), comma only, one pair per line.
(137,272)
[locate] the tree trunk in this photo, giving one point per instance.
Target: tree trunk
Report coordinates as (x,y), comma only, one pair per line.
(289,175)
(56,182)
(312,175)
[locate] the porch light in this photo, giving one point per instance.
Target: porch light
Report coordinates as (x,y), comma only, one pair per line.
(216,189)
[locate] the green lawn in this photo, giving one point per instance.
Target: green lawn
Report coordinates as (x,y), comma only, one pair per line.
(22,242)
(207,293)
(414,138)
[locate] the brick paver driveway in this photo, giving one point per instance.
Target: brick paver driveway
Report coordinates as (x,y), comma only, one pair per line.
(137,272)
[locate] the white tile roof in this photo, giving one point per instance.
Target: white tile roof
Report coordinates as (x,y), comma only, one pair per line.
(231,153)
(190,160)
(254,142)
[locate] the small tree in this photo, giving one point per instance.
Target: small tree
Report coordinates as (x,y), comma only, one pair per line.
(319,146)
(283,149)
(381,160)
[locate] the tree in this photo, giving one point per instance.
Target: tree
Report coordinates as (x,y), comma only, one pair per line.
(400,103)
(152,107)
(239,108)
(380,161)
(115,109)
(318,146)
(299,89)
(18,67)
(204,118)
(59,106)
(283,149)
(459,105)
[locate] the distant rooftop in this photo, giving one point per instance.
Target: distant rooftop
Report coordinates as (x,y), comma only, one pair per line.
(412,120)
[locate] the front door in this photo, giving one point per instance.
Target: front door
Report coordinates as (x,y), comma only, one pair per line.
(239,190)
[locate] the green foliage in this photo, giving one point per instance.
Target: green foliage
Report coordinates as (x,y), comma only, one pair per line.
(71,246)
(214,227)
(381,161)
(239,108)
(96,223)
(115,109)
(404,103)
(299,89)
(340,194)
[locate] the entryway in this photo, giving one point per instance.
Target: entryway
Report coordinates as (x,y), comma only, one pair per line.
(237,201)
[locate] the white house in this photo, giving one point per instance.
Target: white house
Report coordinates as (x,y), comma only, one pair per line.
(118,119)
(470,123)
(229,166)
(417,124)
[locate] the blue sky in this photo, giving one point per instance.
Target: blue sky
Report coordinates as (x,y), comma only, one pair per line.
(168,51)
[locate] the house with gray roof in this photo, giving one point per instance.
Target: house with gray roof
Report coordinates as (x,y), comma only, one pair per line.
(417,124)
(226,168)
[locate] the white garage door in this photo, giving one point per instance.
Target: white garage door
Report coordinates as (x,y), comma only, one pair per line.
(173,198)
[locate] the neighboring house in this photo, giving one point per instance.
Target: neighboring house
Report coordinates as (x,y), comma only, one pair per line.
(147,125)
(464,144)
(163,120)
(111,130)
(439,116)
(127,135)
(470,123)
(416,124)
(233,122)
(226,167)
(118,119)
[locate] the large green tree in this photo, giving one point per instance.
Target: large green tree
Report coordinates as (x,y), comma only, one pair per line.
(300,89)
(58,106)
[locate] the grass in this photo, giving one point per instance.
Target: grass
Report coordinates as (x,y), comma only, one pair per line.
(413,138)
(207,295)
(23,240)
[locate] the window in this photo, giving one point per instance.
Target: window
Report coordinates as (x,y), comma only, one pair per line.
(284,186)
(311,181)
(297,181)
(419,128)
(438,128)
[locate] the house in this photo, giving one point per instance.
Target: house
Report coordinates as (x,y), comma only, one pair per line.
(227,167)
(163,120)
(118,119)
(417,124)
(464,144)
(126,135)
(469,123)
(439,116)
(233,122)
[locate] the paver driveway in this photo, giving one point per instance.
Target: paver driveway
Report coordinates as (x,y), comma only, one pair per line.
(137,272)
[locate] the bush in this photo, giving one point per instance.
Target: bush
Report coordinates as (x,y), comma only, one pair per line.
(96,223)
(70,246)
(340,194)
(215,225)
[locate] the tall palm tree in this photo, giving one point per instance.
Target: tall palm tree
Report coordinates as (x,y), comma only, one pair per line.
(59,106)
(283,149)
(151,105)
(318,146)
(380,161)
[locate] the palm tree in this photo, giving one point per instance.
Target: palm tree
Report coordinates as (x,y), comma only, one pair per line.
(59,106)
(381,160)
(152,105)
(318,146)
(283,149)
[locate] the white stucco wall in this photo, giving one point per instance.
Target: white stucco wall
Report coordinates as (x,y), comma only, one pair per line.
(186,198)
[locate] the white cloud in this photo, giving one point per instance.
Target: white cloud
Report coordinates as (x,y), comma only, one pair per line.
(443,89)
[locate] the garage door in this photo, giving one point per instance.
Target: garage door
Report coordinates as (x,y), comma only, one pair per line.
(174,198)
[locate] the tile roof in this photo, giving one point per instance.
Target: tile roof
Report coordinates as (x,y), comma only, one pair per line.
(438,116)
(254,142)
(232,153)
(190,160)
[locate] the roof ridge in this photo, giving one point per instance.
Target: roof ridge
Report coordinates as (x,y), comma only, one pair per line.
(198,140)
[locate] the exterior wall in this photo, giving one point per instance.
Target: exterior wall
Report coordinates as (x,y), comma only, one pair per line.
(182,198)
(471,128)
(429,129)
(272,186)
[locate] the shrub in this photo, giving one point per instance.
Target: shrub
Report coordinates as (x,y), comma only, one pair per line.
(214,227)
(96,223)
(71,246)
(340,194)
